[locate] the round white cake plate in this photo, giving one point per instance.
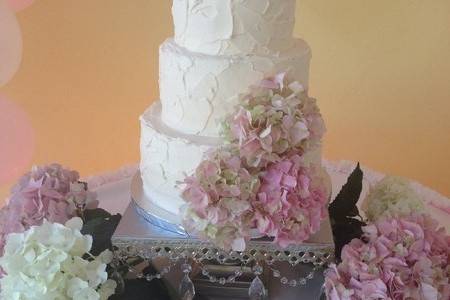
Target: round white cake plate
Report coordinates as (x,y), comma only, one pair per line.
(151,212)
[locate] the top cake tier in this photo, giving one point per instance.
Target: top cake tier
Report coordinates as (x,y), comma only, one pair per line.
(231,27)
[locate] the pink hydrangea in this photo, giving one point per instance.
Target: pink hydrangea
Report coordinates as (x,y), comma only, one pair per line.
(48,192)
(274,120)
(53,177)
(400,258)
(291,202)
(269,137)
(218,197)
(9,223)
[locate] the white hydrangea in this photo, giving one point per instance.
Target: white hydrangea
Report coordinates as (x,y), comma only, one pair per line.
(46,262)
(392,196)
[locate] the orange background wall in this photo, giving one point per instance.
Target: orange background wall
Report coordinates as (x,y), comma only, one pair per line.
(380,69)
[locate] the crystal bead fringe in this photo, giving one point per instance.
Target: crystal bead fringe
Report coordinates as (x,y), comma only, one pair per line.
(187,289)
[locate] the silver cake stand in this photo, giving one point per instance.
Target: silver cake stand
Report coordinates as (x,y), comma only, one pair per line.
(150,235)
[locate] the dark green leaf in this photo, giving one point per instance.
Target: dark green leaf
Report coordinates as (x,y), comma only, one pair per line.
(343,211)
(345,203)
(101,225)
(344,232)
(91,214)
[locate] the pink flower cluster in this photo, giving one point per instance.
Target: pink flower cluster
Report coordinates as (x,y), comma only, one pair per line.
(220,194)
(49,192)
(261,180)
(273,122)
(290,203)
(400,258)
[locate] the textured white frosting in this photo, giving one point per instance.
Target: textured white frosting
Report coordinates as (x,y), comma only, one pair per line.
(229,27)
(166,157)
(197,90)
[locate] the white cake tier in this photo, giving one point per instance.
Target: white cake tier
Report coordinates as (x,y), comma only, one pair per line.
(198,91)
(229,27)
(166,157)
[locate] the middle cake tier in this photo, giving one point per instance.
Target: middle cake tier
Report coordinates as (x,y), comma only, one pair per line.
(198,90)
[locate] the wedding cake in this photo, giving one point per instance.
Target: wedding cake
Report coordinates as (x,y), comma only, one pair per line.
(220,49)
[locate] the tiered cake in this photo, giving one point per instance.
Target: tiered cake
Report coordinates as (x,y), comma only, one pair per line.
(220,49)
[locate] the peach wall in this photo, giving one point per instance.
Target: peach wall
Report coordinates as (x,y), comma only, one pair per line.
(381,71)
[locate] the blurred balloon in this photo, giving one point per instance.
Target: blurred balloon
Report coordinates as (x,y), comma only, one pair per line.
(17,140)
(18,5)
(10,43)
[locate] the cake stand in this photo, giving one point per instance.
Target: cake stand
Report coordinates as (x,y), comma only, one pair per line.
(147,233)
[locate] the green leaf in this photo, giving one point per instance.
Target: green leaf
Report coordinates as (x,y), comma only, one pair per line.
(101,225)
(91,214)
(344,232)
(345,203)
(343,211)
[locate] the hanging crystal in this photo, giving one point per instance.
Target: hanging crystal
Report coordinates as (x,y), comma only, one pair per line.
(187,289)
(257,290)
(322,295)
(120,283)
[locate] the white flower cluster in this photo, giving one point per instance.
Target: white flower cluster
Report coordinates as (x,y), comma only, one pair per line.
(46,263)
(392,196)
